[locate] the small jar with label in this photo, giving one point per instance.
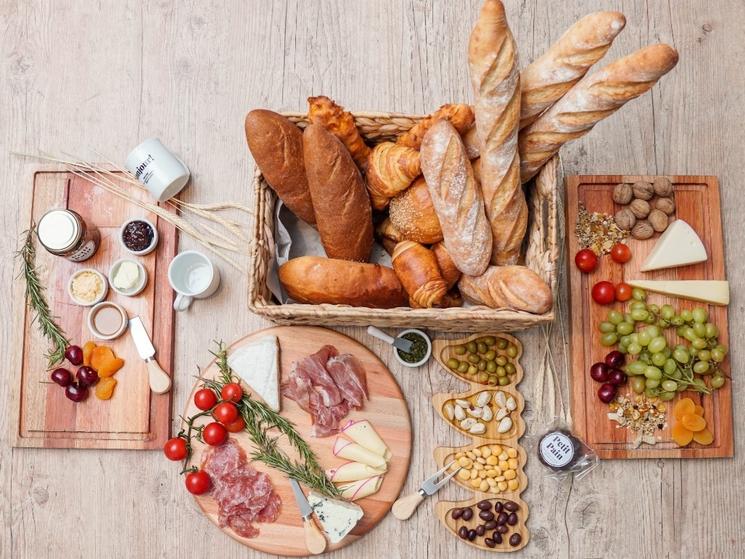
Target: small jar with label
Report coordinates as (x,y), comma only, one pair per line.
(563,453)
(64,233)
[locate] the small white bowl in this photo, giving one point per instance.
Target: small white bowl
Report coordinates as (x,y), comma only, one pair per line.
(97,333)
(153,243)
(95,301)
(139,286)
(424,359)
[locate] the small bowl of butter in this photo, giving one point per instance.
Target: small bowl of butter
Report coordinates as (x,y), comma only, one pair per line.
(127,277)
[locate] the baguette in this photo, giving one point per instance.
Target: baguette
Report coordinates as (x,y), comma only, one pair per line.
(276,145)
(324,111)
(340,201)
(413,214)
(592,99)
(508,287)
(316,280)
(417,269)
(492,58)
(549,77)
(457,198)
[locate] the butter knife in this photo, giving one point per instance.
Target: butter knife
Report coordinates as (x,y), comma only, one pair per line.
(160,382)
(315,541)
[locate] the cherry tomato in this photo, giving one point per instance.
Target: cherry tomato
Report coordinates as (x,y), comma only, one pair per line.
(623,292)
(620,253)
(232,392)
(586,260)
(237,426)
(225,413)
(603,293)
(214,434)
(175,449)
(205,399)
(197,482)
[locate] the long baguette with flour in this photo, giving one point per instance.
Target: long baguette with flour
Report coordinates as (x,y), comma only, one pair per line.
(592,99)
(550,76)
(492,60)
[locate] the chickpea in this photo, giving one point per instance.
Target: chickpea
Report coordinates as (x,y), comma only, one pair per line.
(485,451)
(476,483)
(513,485)
(503,456)
(492,460)
(512,453)
(512,463)
(464,475)
(510,474)
(502,485)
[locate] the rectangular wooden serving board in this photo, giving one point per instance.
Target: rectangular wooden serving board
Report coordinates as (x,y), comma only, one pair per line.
(697,202)
(134,418)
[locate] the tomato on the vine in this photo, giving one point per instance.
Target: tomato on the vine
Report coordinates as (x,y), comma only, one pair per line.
(175,449)
(620,253)
(232,392)
(198,482)
(623,292)
(603,293)
(225,413)
(205,399)
(237,426)
(214,434)
(586,260)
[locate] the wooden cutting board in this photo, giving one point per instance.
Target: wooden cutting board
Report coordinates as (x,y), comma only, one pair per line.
(133,418)
(386,410)
(697,202)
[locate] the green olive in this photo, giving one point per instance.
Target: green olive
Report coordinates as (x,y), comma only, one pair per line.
(512,350)
(510,368)
(504,381)
(482,348)
(472,347)
(453,363)
(489,340)
(501,372)
(462,367)
(502,361)
(502,343)
(472,370)
(482,365)
(473,358)
(483,377)
(490,355)
(459,350)
(493,380)
(491,366)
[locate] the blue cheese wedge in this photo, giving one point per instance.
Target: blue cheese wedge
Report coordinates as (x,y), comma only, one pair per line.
(678,246)
(337,518)
(257,364)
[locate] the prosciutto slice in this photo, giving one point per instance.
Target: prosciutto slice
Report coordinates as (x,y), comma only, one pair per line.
(243,494)
(327,386)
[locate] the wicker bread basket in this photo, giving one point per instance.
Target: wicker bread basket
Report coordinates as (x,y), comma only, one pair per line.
(541,255)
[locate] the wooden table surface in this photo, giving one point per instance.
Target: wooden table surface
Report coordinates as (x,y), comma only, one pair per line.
(79,76)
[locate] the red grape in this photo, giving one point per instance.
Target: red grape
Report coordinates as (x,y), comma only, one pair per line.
(599,372)
(617,377)
(615,359)
(76,392)
(61,376)
(87,376)
(606,393)
(74,354)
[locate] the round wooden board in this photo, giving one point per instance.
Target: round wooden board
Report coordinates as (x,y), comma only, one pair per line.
(386,410)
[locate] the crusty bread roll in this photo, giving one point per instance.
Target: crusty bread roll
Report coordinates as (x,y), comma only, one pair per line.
(333,117)
(316,280)
(593,98)
(277,147)
(450,272)
(340,201)
(457,198)
(391,168)
(460,116)
(417,269)
(508,287)
(549,77)
(492,59)
(414,216)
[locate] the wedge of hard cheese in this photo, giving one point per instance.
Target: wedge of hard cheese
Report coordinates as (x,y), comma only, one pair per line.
(257,364)
(677,246)
(364,434)
(706,291)
(361,489)
(352,451)
(352,471)
(337,518)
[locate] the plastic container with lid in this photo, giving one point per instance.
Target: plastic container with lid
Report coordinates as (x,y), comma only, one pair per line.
(64,233)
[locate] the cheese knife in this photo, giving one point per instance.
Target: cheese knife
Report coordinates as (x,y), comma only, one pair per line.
(315,541)
(160,382)
(404,507)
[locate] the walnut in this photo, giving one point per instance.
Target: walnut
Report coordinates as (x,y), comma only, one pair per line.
(625,219)
(642,230)
(622,194)
(640,208)
(658,220)
(643,190)
(666,205)
(663,186)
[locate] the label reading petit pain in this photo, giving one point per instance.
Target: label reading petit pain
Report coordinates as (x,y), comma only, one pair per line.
(556,449)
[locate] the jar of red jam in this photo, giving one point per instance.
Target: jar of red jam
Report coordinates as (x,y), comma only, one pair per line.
(64,233)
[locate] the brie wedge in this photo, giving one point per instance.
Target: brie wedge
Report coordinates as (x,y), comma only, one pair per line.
(258,365)
(677,246)
(706,291)
(337,518)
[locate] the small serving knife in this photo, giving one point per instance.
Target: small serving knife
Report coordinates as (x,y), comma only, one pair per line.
(160,382)
(399,343)
(404,507)
(315,541)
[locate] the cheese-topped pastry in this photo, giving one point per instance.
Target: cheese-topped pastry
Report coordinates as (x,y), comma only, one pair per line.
(257,364)
(337,518)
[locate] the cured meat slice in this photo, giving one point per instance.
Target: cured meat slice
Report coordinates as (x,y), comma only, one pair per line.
(350,377)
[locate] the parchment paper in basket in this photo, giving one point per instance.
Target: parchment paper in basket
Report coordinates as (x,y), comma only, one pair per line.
(294,238)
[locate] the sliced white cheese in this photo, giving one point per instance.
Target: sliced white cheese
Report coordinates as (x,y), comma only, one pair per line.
(356,453)
(257,364)
(352,471)
(361,489)
(707,291)
(677,246)
(337,518)
(363,433)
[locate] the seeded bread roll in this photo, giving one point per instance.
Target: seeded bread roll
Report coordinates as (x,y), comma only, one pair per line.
(413,214)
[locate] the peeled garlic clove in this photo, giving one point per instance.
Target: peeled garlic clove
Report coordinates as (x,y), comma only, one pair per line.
(482,399)
(463,403)
(448,411)
(486,413)
(501,414)
(459,413)
(467,423)
(500,399)
(504,425)
(477,429)
(511,404)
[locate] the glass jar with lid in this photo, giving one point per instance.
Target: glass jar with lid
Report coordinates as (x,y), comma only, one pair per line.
(64,233)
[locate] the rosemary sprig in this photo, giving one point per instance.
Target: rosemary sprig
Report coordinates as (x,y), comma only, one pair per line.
(38,303)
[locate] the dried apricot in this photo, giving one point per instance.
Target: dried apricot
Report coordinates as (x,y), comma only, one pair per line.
(108,368)
(699,410)
(105,388)
(684,406)
(87,351)
(693,422)
(105,362)
(703,437)
(681,435)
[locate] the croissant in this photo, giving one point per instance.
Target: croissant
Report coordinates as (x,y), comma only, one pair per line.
(333,117)
(390,169)
(460,116)
(417,269)
(450,272)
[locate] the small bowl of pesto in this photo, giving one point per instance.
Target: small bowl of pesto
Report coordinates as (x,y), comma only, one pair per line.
(421,348)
